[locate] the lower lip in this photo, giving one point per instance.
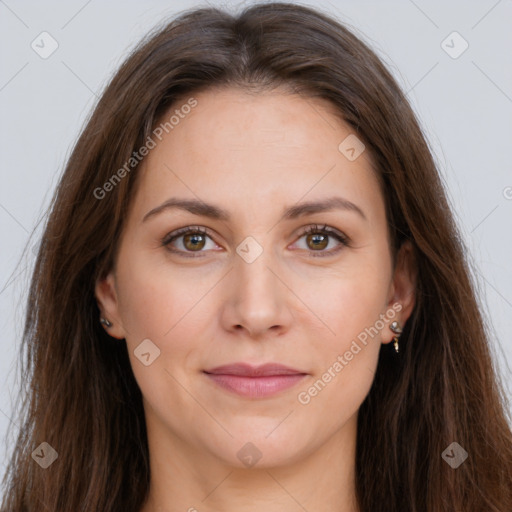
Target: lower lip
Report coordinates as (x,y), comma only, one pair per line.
(256,387)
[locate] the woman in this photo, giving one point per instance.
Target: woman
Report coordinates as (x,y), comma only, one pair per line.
(251,292)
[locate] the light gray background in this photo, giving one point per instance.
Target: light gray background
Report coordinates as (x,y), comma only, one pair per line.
(464,105)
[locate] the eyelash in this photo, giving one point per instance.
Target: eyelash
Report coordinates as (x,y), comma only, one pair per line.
(316,229)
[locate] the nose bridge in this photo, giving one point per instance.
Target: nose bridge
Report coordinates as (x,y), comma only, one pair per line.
(252,269)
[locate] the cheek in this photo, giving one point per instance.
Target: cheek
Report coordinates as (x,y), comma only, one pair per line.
(158,305)
(145,303)
(349,301)
(336,395)
(350,305)
(165,306)
(152,298)
(345,362)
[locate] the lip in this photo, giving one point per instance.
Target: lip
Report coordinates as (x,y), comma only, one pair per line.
(247,370)
(255,381)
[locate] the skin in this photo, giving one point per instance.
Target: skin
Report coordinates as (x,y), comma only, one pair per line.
(254,155)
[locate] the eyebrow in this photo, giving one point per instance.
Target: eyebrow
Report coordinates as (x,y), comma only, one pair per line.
(203,209)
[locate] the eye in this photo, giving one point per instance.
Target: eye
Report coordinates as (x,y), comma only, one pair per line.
(193,240)
(317,239)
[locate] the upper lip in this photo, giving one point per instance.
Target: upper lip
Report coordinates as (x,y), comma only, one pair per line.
(247,370)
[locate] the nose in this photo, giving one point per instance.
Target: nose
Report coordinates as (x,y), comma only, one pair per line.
(257,298)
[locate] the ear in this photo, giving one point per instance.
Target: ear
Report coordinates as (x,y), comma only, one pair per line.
(106,296)
(403,287)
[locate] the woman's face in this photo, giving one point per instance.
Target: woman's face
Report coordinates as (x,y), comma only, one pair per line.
(254,287)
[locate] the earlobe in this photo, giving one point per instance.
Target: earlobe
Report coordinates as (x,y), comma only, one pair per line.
(106,297)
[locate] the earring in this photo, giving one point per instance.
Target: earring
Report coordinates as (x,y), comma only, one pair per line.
(395,327)
(105,322)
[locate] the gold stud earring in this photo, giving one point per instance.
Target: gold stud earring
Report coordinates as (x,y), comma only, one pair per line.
(395,327)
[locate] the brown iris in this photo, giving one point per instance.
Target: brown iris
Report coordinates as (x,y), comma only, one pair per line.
(193,241)
(319,240)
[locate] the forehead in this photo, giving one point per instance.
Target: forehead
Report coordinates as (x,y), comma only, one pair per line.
(240,149)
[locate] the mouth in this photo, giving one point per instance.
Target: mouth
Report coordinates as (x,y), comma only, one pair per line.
(255,381)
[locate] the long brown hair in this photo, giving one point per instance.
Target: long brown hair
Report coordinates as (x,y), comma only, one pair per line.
(83,399)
